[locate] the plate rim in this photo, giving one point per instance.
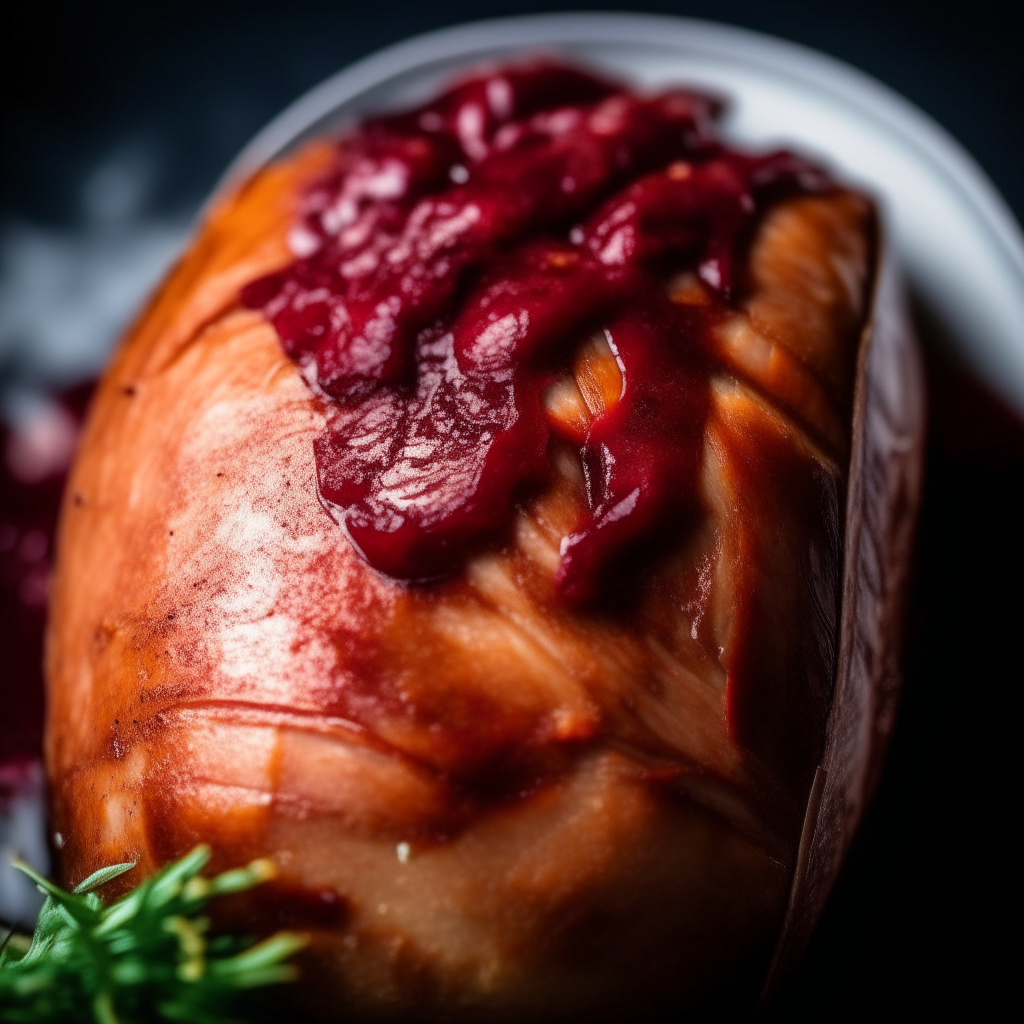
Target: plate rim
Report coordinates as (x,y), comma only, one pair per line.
(935,151)
(847,84)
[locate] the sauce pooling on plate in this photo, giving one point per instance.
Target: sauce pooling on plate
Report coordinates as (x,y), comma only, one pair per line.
(449,265)
(34,459)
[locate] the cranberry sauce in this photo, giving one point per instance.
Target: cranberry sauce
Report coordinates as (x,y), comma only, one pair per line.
(34,459)
(455,257)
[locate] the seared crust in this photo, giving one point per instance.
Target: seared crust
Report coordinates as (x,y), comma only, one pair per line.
(519,807)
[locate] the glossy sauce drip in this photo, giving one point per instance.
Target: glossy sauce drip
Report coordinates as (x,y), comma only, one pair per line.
(451,263)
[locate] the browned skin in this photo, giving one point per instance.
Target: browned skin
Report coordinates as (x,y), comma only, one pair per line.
(601,809)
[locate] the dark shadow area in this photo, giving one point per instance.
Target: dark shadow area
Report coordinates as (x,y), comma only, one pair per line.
(925,923)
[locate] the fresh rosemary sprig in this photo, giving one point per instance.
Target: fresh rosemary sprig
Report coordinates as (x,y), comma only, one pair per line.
(146,957)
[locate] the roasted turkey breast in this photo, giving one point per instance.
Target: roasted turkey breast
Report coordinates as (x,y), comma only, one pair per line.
(484,800)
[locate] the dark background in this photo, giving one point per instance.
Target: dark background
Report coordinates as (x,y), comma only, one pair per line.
(198,79)
(925,923)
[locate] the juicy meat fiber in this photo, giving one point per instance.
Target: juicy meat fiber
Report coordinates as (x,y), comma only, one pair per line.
(513,806)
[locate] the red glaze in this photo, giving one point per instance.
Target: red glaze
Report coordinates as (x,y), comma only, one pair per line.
(451,262)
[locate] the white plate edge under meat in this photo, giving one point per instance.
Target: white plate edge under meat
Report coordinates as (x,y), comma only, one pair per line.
(958,242)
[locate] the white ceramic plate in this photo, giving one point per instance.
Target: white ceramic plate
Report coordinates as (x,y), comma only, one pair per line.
(959,245)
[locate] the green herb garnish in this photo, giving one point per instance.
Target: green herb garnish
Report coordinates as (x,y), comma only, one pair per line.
(146,957)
